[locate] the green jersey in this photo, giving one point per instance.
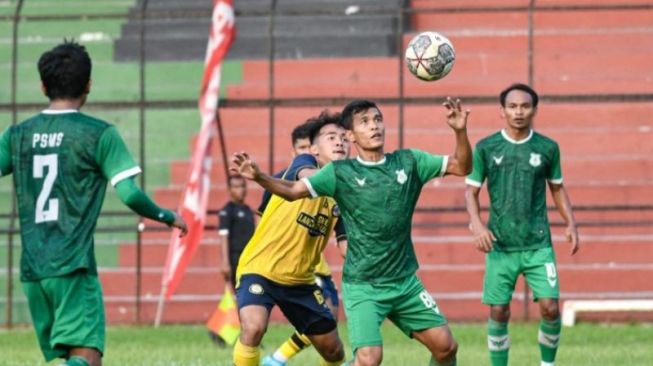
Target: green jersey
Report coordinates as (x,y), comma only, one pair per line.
(377,200)
(517,172)
(61,161)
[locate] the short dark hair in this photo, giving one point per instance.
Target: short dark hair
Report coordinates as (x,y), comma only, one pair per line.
(315,124)
(65,71)
(522,87)
(300,132)
(235,177)
(355,106)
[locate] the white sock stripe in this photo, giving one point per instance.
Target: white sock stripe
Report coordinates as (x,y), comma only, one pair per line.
(498,343)
(546,363)
(549,340)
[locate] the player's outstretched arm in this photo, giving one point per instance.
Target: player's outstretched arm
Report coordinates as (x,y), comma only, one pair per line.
(483,237)
(460,163)
(561,199)
(140,203)
(288,190)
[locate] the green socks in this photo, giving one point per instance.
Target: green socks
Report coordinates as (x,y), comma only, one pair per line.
(498,342)
(436,363)
(76,361)
(549,337)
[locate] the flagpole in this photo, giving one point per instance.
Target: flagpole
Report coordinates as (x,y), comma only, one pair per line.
(160,306)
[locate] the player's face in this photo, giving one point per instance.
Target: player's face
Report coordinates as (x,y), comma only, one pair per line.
(519,110)
(302,146)
(330,144)
(238,190)
(368,129)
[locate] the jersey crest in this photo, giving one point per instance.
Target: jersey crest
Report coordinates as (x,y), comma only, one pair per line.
(361,182)
(401,176)
(536,160)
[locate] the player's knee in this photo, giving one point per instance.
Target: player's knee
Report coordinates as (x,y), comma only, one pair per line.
(335,353)
(500,313)
(251,332)
(369,357)
(448,353)
(550,310)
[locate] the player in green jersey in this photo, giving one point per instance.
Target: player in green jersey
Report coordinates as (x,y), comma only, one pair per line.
(377,193)
(61,162)
(517,163)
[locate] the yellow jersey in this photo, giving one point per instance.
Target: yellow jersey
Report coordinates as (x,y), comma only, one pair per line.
(289,240)
(322,267)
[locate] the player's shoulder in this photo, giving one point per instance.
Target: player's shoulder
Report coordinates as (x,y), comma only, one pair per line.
(226,209)
(490,140)
(544,140)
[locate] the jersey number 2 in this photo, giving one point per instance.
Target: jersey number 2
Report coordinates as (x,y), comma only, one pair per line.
(52,212)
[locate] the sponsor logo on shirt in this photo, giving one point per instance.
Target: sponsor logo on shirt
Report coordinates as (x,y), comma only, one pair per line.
(316,225)
(401,176)
(536,160)
(361,182)
(498,160)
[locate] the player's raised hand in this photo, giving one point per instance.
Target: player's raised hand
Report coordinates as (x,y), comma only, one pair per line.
(456,116)
(245,166)
(483,238)
(572,237)
(180,224)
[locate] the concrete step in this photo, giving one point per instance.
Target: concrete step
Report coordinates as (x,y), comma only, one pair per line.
(248,26)
(437,250)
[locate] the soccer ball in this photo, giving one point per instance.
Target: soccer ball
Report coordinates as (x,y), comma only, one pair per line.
(430,56)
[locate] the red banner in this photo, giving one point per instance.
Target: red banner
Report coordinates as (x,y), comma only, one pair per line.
(195,196)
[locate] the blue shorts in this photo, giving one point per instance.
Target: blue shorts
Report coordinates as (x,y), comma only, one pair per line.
(303,305)
(328,288)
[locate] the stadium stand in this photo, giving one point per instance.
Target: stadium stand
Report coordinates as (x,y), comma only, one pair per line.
(322,31)
(606,149)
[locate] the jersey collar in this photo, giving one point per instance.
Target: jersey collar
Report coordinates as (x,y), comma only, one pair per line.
(513,141)
(371,163)
(59,111)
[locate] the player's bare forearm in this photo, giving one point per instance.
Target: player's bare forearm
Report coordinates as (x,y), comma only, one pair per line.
(460,163)
(288,190)
(562,202)
(472,204)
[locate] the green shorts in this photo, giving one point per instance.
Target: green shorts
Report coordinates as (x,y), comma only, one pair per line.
(503,268)
(405,302)
(67,312)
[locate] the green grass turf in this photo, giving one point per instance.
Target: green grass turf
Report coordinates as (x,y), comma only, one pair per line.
(583,345)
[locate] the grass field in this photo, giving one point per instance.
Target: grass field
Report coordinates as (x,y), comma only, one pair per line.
(583,345)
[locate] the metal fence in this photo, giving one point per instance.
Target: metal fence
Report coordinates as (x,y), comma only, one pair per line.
(143,104)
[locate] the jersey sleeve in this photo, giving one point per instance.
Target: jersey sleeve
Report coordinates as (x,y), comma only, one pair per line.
(114,158)
(322,183)
(225,218)
(301,162)
(429,166)
(6,166)
(555,170)
(341,232)
(265,197)
(477,176)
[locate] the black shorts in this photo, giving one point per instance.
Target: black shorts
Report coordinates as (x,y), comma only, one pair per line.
(303,305)
(328,288)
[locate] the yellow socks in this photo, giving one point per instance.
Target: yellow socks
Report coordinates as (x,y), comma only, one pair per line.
(246,355)
(291,347)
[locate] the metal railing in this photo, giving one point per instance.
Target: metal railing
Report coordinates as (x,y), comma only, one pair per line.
(272,102)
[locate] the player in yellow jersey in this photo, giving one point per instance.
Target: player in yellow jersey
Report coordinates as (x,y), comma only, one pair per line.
(278,264)
(297,342)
